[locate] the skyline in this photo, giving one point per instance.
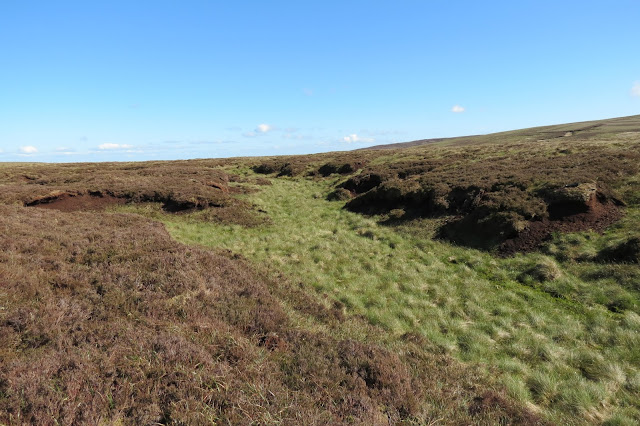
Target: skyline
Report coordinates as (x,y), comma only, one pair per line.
(160,80)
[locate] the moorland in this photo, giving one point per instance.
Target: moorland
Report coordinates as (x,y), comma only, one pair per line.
(490,279)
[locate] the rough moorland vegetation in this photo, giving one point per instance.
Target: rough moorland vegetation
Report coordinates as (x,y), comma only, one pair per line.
(329,289)
(105,318)
(506,191)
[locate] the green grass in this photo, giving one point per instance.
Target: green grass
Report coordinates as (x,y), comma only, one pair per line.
(553,340)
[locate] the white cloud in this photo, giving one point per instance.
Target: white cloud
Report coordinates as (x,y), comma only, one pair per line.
(64,149)
(114,146)
(28,149)
(307,92)
(353,138)
(635,90)
(264,128)
(457,108)
(261,129)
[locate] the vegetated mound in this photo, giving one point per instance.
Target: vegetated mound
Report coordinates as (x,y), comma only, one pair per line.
(566,213)
(320,165)
(105,318)
(184,186)
(180,185)
(508,196)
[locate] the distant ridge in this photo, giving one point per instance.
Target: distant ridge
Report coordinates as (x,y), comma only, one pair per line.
(583,129)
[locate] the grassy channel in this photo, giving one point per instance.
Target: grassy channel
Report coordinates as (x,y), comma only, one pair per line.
(568,357)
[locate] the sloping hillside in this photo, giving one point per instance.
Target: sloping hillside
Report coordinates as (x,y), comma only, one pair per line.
(581,130)
(479,280)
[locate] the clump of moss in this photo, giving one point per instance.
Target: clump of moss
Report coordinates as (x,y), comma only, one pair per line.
(340,194)
(397,214)
(619,300)
(544,270)
(592,365)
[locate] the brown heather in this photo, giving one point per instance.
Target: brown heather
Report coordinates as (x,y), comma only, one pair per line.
(105,318)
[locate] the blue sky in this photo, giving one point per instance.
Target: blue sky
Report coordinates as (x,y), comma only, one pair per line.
(141,80)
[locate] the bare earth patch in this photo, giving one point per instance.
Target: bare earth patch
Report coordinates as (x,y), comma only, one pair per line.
(73,202)
(600,213)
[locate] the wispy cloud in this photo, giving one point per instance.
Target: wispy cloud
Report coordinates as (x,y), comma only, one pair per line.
(307,92)
(635,89)
(264,128)
(64,149)
(105,146)
(29,149)
(457,109)
(261,129)
(353,138)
